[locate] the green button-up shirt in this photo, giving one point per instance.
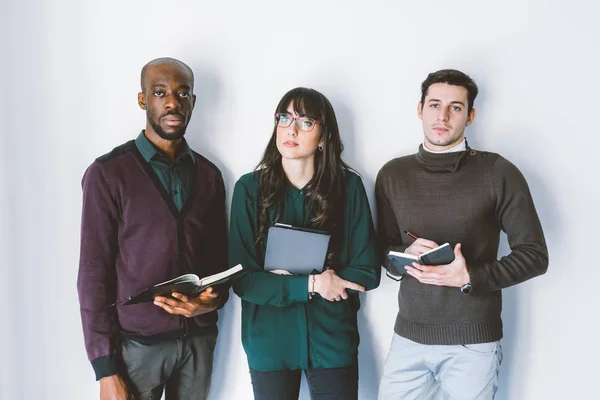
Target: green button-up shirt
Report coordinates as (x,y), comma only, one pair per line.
(176,176)
(281,327)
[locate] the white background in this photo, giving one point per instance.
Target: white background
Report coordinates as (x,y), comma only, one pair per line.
(70,76)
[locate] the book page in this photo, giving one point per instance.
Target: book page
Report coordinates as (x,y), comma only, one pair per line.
(436,249)
(187,278)
(403,255)
(221,275)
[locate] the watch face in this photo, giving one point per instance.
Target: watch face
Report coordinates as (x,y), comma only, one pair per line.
(466,288)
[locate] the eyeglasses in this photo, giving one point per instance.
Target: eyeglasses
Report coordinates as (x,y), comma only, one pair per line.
(305,124)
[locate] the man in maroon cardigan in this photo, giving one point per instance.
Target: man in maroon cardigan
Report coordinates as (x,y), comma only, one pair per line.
(153,209)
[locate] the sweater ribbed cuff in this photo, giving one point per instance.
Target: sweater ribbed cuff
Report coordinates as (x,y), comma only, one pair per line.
(479,279)
(105,366)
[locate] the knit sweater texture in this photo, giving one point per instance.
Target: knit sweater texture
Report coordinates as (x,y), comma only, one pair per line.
(465,197)
(133,237)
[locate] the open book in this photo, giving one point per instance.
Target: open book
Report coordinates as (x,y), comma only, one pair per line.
(188,284)
(441,255)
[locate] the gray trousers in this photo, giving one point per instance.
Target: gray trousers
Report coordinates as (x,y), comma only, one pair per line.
(414,371)
(179,367)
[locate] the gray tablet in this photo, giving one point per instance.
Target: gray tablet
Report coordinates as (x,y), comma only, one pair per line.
(297,250)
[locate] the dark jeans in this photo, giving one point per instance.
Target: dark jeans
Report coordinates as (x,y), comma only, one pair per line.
(180,367)
(323,383)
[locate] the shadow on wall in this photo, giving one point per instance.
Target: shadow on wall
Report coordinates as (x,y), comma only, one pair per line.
(200,134)
(368,365)
(515,309)
(228,328)
(510,319)
(369,370)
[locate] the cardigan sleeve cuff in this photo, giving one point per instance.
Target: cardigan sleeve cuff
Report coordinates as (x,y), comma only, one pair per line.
(105,366)
(298,289)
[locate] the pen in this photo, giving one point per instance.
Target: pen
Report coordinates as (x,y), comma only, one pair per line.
(411,235)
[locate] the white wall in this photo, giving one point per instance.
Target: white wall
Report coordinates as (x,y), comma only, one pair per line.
(6,375)
(71,79)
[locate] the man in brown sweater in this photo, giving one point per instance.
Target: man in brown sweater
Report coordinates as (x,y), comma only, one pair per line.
(448,326)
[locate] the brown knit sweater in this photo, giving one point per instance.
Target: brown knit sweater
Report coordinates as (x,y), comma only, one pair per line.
(464,197)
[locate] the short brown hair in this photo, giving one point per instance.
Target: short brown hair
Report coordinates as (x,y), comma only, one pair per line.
(451,77)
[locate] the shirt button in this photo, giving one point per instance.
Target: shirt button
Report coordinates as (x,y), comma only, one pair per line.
(176,192)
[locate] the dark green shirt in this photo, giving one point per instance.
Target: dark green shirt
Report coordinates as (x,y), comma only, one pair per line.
(281,327)
(176,176)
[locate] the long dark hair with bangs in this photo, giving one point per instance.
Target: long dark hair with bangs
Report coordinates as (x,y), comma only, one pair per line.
(324,194)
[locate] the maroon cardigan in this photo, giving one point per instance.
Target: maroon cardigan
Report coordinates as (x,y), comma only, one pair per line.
(133,237)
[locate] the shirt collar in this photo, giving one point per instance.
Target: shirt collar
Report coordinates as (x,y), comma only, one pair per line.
(149,151)
(293,191)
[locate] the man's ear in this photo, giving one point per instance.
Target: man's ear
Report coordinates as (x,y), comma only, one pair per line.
(142,100)
(420,110)
(193,101)
(471,117)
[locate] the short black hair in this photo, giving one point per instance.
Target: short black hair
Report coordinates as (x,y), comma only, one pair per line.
(451,77)
(164,60)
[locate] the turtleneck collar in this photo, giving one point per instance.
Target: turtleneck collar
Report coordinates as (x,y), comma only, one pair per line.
(445,161)
(462,146)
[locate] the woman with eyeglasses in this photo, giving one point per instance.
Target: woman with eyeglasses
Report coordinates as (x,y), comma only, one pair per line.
(294,323)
